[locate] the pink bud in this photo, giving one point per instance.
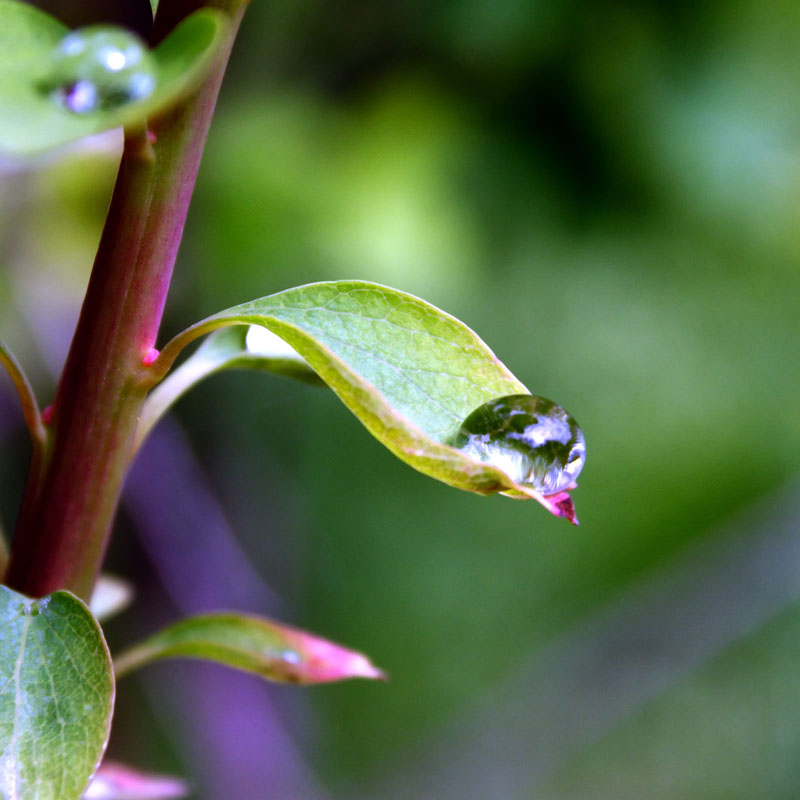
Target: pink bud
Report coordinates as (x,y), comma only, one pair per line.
(149,358)
(114,781)
(325,661)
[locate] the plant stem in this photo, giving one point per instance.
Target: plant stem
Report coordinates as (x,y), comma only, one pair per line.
(66,516)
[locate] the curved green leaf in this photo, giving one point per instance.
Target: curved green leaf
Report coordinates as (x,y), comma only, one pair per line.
(30,122)
(56,696)
(273,651)
(236,347)
(410,372)
(30,408)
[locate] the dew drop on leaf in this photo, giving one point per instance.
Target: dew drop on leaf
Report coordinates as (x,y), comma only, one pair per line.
(99,68)
(533,440)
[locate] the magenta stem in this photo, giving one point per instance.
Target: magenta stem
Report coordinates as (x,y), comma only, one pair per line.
(68,509)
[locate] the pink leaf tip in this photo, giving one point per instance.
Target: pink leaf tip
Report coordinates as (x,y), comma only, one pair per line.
(114,781)
(324,661)
(47,415)
(561,505)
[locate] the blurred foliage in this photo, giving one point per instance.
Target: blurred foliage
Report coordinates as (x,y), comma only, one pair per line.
(608,195)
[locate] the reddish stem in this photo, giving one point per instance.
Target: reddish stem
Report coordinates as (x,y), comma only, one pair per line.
(66,515)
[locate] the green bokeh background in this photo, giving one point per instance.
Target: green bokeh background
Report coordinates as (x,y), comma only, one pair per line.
(608,195)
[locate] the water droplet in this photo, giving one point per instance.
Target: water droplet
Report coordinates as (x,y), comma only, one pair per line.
(533,440)
(99,68)
(38,606)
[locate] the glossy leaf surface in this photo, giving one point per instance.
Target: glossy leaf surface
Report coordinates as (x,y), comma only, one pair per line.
(410,372)
(253,644)
(56,696)
(30,122)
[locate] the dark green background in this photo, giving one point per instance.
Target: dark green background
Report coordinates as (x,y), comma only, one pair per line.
(608,194)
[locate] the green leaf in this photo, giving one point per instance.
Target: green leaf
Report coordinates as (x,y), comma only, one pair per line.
(410,372)
(273,651)
(30,122)
(56,696)
(236,347)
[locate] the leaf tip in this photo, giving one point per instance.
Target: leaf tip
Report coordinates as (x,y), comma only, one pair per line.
(328,662)
(562,506)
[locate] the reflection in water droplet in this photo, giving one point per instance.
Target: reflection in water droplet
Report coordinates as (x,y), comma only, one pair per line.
(533,440)
(99,68)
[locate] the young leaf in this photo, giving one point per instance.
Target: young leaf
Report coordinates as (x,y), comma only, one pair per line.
(114,781)
(236,347)
(56,696)
(410,372)
(273,651)
(30,408)
(31,122)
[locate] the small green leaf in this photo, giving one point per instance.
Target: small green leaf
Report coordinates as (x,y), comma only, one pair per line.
(56,696)
(236,347)
(30,409)
(273,651)
(410,372)
(30,122)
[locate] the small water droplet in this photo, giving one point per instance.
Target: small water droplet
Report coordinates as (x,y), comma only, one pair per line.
(99,68)
(36,607)
(533,440)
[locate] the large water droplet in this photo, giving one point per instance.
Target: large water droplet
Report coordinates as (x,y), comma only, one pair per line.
(533,440)
(99,68)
